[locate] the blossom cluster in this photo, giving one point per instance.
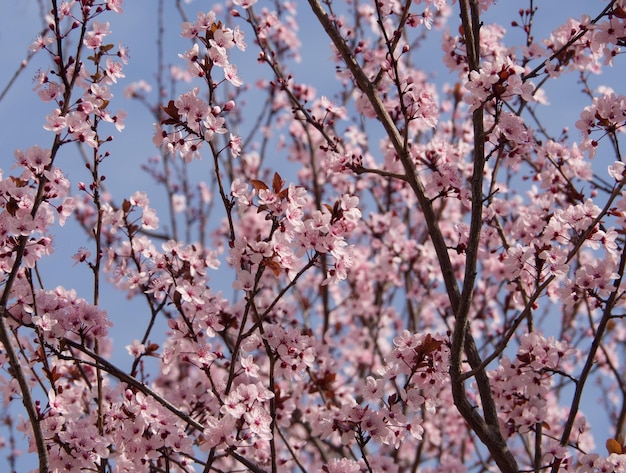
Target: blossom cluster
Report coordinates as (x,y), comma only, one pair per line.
(195,121)
(293,233)
(522,386)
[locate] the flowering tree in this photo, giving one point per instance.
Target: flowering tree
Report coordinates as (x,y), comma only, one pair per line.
(432,284)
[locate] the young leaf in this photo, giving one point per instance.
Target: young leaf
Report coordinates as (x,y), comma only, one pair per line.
(258,185)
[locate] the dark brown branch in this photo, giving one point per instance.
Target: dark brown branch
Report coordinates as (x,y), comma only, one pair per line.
(488,432)
(113,370)
(27,398)
(590,361)
(395,137)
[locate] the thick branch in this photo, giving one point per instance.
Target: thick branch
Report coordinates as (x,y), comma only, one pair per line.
(368,88)
(27,398)
(110,368)
(591,359)
(489,431)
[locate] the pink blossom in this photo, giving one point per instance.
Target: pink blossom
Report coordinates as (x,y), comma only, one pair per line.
(50,91)
(115,5)
(55,122)
(235,145)
(113,70)
(136,349)
(230,73)
(245,281)
(34,158)
(93,38)
(343,465)
(244,3)
(41,43)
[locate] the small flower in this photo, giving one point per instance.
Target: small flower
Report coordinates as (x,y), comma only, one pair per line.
(136,349)
(230,73)
(82,255)
(44,322)
(245,281)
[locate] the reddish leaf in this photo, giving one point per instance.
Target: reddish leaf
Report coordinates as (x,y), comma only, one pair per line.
(613,446)
(55,375)
(12,206)
(216,26)
(171,110)
(430,345)
(258,185)
(277,183)
(151,348)
(18,182)
(272,265)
